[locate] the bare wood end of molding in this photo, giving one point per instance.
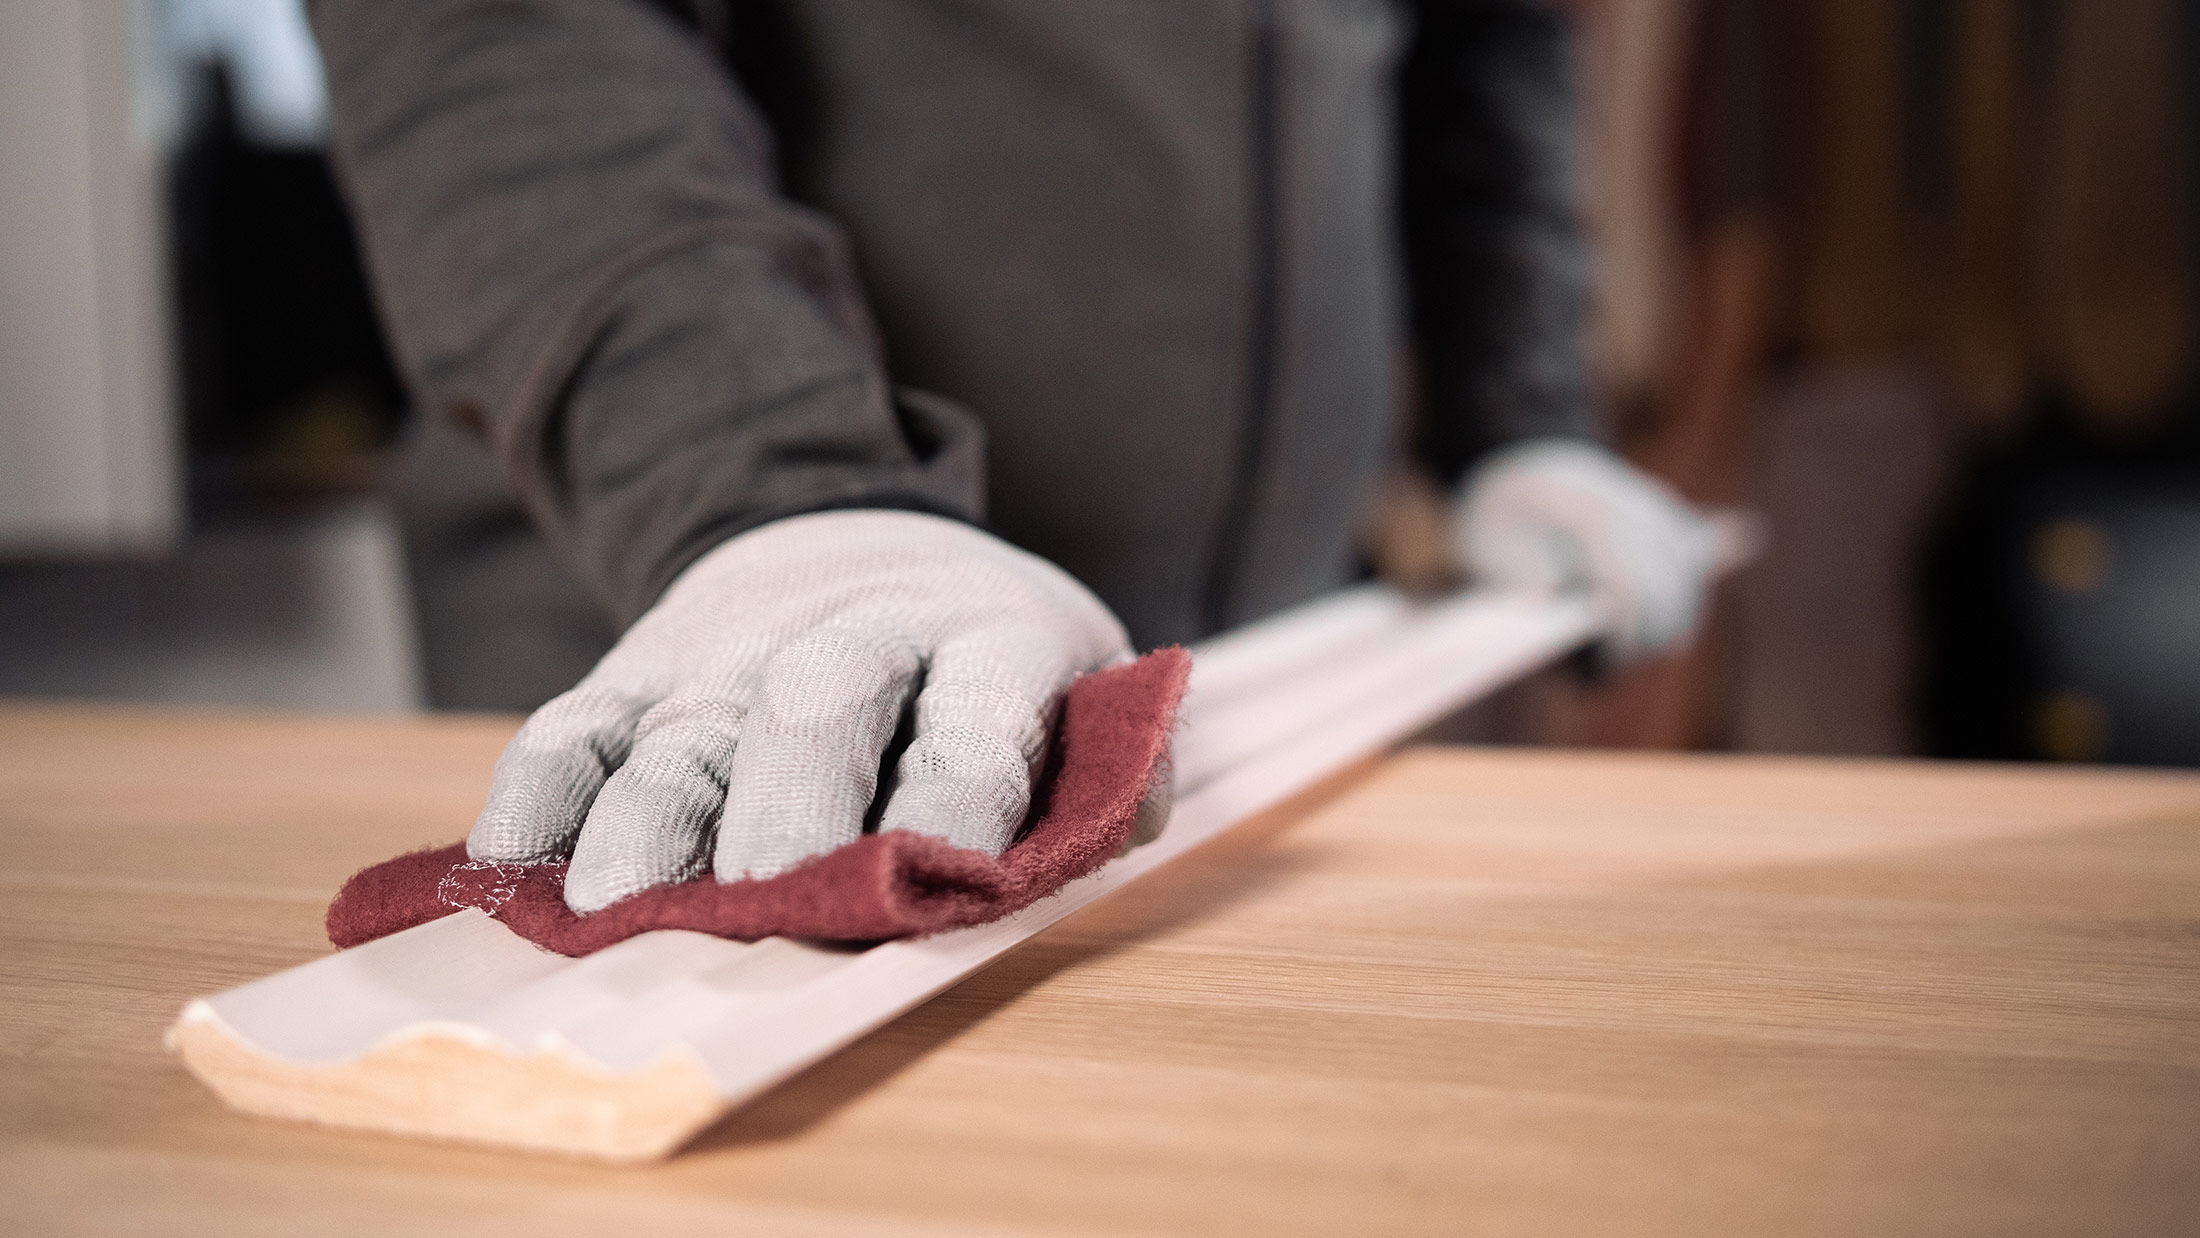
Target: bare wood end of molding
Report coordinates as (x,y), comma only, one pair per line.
(449,1087)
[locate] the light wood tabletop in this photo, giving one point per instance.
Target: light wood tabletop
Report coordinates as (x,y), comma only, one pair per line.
(1463,990)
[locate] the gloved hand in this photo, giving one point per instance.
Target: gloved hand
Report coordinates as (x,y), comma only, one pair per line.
(740,722)
(1560,514)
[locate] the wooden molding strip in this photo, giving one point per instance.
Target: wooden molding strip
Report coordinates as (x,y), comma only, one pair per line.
(459,1029)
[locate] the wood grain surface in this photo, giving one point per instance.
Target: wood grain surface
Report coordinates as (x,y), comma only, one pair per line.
(1466,990)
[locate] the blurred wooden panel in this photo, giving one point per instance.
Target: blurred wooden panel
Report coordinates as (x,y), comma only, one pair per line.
(88,458)
(1993,167)
(2116,232)
(1856,262)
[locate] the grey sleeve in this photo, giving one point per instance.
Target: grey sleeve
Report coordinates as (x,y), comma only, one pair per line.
(572,226)
(1498,266)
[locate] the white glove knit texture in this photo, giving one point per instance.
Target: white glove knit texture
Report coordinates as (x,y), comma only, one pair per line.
(742,721)
(1554,515)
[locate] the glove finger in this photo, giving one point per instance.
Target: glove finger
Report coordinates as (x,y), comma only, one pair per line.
(651,824)
(550,773)
(982,719)
(808,763)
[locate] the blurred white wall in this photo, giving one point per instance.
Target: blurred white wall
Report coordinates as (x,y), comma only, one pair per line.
(88,454)
(105,593)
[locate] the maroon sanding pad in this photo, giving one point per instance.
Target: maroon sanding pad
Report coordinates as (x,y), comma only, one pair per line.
(1111,744)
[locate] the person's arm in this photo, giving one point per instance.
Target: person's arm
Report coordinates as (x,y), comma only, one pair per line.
(1498,264)
(571,220)
(1499,275)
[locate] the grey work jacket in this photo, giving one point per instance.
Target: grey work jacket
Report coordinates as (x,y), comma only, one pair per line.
(1121,280)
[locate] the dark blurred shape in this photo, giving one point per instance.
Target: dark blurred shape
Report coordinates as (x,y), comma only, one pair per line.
(2066,608)
(287,385)
(2060,592)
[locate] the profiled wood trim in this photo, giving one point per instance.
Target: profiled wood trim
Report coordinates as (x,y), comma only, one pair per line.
(446,1087)
(457,1030)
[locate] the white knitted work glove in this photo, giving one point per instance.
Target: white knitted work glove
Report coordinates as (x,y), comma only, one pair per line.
(1559,514)
(740,723)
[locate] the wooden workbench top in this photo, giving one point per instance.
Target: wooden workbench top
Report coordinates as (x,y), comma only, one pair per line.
(1466,990)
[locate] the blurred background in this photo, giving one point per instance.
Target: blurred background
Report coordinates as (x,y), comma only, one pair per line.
(1913,279)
